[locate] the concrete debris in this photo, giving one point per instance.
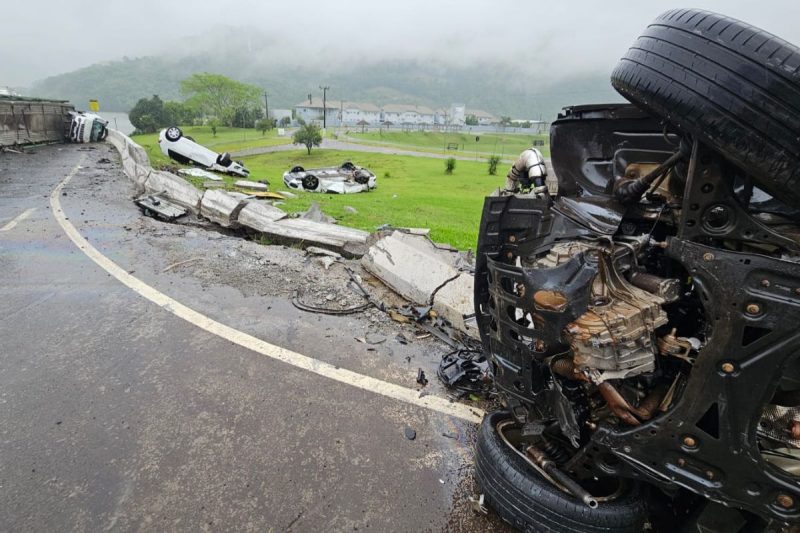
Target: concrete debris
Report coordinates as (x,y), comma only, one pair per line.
(287,194)
(374,338)
(158,207)
(315,214)
(247,184)
(326,261)
(414,267)
(316,250)
(199,173)
(258,216)
(178,190)
(221,207)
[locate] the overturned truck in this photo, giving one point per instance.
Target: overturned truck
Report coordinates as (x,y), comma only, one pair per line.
(641,325)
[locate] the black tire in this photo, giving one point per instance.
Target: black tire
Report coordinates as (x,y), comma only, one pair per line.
(531,503)
(224,159)
(310,182)
(173,133)
(362,177)
(348,166)
(732,85)
(297,169)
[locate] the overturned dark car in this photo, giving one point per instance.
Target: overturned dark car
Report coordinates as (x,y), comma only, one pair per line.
(642,323)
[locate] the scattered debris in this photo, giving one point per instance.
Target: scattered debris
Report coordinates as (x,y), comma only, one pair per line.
(262,194)
(465,371)
(425,273)
(315,214)
(155,205)
(478,505)
(421,379)
(247,184)
(397,317)
(179,263)
(374,338)
(316,250)
(326,261)
(410,433)
(402,339)
(199,173)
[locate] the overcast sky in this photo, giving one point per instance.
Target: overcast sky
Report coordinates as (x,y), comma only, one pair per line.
(47,37)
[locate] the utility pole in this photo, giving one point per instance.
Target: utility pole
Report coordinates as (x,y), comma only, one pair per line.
(266,106)
(324,106)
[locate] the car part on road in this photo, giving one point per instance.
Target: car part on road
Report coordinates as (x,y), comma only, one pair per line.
(730,84)
(157,206)
(515,487)
(345,179)
(466,372)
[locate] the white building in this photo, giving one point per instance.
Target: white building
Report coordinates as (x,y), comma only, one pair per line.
(311,111)
(458,114)
(484,118)
(357,113)
(410,115)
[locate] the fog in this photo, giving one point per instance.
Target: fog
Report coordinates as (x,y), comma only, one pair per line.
(551,38)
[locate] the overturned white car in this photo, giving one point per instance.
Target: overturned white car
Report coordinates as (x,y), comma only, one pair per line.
(186,151)
(87,127)
(345,179)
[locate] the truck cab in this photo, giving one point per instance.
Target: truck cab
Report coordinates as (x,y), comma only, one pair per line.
(87,127)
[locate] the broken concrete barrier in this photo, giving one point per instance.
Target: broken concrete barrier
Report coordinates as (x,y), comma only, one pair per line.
(177,189)
(221,207)
(415,268)
(258,216)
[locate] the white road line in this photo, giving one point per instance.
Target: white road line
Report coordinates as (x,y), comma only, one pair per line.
(19,218)
(377,386)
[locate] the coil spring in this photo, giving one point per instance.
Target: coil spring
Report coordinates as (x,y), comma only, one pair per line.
(554,450)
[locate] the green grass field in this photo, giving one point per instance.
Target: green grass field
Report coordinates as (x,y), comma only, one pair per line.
(508,146)
(411,192)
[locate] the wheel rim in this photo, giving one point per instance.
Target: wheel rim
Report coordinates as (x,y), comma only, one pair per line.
(173,132)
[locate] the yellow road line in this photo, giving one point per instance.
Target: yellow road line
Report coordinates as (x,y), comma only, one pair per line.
(367,383)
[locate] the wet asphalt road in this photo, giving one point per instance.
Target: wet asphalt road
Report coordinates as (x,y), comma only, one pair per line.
(115,414)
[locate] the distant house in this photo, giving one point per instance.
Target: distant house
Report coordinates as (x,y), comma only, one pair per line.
(355,113)
(405,114)
(484,118)
(338,112)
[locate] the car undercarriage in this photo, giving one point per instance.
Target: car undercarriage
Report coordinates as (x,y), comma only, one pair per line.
(641,327)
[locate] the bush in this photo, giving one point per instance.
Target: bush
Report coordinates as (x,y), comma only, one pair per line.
(493,162)
(449,165)
(309,135)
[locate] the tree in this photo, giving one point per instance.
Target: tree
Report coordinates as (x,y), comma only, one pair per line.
(265,124)
(471,120)
(177,114)
(493,160)
(449,165)
(220,96)
(214,123)
(148,114)
(505,121)
(308,134)
(285,121)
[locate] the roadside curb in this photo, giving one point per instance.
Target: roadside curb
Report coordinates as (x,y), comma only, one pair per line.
(231,211)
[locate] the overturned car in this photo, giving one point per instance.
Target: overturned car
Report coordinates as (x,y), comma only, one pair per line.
(344,179)
(183,149)
(641,325)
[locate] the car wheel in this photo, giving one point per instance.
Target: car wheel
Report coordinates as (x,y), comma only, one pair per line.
(348,166)
(310,182)
(297,169)
(362,177)
(527,501)
(733,86)
(224,159)
(173,133)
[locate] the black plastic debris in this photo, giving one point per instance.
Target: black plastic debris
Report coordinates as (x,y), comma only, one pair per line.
(465,371)
(421,379)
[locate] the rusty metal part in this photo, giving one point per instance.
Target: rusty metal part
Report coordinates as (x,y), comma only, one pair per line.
(785,501)
(689,441)
(728,368)
(673,346)
(564,367)
(648,407)
(544,462)
(550,300)
(667,288)
(753,309)
(618,405)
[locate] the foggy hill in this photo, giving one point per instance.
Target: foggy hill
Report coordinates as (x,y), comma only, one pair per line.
(497,87)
